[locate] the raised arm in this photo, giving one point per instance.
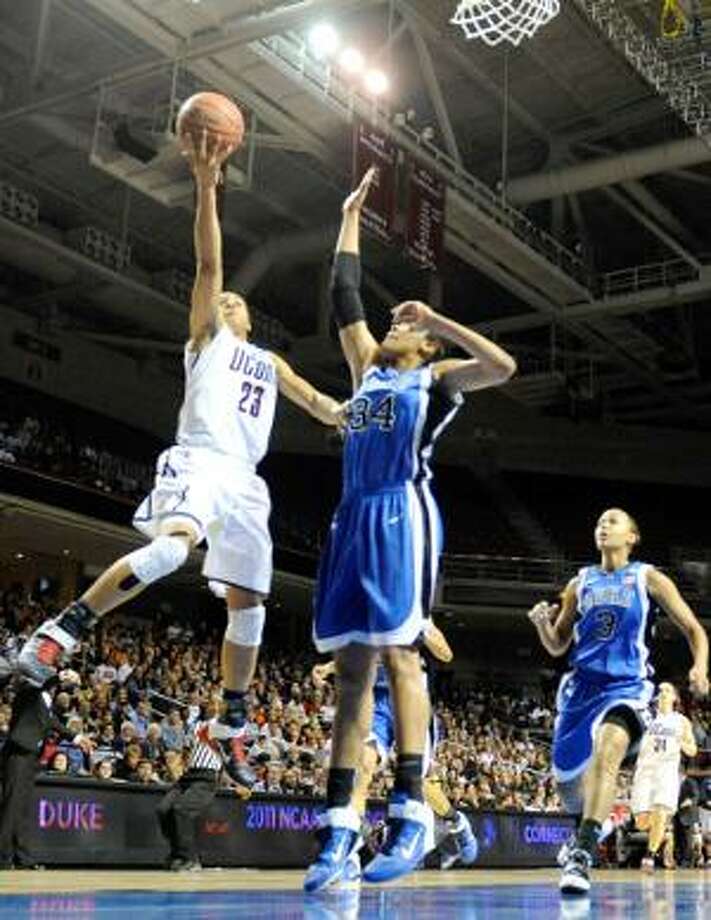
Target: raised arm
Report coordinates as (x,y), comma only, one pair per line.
(667,595)
(305,396)
(205,160)
(554,623)
(357,342)
(489,364)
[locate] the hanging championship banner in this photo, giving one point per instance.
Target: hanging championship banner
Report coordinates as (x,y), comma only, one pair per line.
(425,217)
(373,148)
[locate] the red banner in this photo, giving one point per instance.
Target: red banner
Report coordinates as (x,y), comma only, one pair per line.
(372,148)
(425,217)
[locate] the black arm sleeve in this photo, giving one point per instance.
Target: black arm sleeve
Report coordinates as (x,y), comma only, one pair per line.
(345,289)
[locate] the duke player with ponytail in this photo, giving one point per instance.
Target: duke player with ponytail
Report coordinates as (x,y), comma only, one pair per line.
(206,486)
(605,620)
(378,572)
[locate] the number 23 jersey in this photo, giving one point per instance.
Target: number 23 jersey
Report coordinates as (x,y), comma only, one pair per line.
(613,624)
(230,398)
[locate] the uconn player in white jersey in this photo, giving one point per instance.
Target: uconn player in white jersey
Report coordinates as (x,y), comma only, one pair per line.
(206,486)
(655,786)
(378,571)
(603,702)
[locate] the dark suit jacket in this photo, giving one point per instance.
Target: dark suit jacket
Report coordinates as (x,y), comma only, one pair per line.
(32,719)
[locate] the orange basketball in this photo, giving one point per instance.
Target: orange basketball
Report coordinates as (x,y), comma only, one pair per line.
(212,112)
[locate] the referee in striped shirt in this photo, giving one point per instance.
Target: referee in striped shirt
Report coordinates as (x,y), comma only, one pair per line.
(187,801)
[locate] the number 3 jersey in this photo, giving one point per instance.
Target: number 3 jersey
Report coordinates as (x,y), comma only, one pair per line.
(230,398)
(614,623)
(393,421)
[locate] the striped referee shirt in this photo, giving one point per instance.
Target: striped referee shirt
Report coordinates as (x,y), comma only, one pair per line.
(205,753)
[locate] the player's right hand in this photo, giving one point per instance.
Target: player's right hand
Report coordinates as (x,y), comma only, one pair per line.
(206,156)
(543,612)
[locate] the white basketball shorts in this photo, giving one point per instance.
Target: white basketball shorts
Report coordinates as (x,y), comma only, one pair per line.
(228,505)
(655,786)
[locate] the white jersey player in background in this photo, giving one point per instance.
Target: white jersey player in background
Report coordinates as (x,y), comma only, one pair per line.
(655,786)
(206,487)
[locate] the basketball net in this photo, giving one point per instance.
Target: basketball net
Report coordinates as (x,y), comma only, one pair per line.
(495,21)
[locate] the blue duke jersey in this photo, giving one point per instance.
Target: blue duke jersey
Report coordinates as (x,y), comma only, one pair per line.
(230,398)
(614,622)
(377,575)
(393,421)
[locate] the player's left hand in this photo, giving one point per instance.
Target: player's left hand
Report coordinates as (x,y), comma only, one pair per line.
(414,312)
(698,682)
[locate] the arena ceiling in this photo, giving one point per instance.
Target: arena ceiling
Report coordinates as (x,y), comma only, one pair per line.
(593,267)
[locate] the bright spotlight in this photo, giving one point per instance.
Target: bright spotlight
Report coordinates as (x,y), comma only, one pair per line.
(376,82)
(352,61)
(323,40)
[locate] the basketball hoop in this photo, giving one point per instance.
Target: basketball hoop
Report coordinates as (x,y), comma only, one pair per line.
(495,21)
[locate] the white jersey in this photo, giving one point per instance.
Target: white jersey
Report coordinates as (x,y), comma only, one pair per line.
(230,398)
(661,743)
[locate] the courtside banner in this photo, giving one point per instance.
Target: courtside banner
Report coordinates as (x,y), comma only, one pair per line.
(85,822)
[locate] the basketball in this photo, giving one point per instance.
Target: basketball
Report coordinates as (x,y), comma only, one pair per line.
(212,112)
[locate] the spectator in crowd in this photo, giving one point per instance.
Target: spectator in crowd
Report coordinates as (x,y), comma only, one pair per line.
(172,732)
(104,769)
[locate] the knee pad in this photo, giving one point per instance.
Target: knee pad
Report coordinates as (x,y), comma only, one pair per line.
(245,627)
(571,796)
(160,558)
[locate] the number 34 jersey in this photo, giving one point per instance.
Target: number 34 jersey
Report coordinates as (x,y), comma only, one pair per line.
(614,623)
(393,421)
(230,398)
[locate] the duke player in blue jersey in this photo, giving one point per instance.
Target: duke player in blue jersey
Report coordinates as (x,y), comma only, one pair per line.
(605,619)
(379,745)
(206,485)
(379,568)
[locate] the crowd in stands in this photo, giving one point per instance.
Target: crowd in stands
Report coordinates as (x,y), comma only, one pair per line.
(146,685)
(49,447)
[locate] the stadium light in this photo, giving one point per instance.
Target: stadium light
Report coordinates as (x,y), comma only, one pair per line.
(324,41)
(352,61)
(376,82)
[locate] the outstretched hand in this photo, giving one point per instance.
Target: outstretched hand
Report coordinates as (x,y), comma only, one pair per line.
(206,155)
(354,202)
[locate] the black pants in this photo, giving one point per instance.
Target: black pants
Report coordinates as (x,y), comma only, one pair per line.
(181,808)
(19,769)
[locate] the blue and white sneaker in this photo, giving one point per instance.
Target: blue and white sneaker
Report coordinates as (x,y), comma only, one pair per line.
(339,836)
(406,842)
(575,878)
(466,840)
(352,872)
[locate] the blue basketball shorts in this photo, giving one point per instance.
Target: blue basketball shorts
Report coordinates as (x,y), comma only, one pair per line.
(378,573)
(581,707)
